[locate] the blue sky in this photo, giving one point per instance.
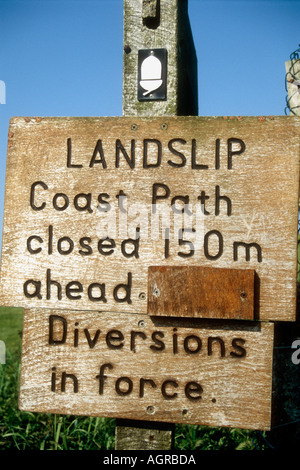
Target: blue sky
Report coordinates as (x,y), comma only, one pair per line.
(65,58)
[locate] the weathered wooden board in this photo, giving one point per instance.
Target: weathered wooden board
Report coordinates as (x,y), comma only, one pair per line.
(142,368)
(179,191)
(194,291)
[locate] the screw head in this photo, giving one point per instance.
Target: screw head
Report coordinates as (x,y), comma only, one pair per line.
(150,410)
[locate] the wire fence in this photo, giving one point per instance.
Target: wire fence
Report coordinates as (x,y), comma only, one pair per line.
(293,75)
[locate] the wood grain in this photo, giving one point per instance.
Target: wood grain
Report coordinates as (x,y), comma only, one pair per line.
(208,202)
(152,369)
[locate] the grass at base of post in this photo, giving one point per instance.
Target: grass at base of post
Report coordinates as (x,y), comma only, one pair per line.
(23,430)
(192,437)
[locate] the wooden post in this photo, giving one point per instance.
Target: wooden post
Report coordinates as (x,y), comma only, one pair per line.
(155,24)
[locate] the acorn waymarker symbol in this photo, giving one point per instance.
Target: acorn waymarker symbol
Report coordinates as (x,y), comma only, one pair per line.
(152,74)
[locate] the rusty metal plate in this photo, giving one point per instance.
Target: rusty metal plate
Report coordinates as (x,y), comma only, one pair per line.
(195,291)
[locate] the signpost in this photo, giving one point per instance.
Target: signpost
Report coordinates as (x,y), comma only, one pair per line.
(152,252)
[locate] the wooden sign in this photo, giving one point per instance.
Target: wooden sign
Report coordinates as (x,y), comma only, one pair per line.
(92,203)
(155,369)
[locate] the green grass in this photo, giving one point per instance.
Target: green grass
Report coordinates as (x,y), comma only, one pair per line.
(11,320)
(207,438)
(36,431)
